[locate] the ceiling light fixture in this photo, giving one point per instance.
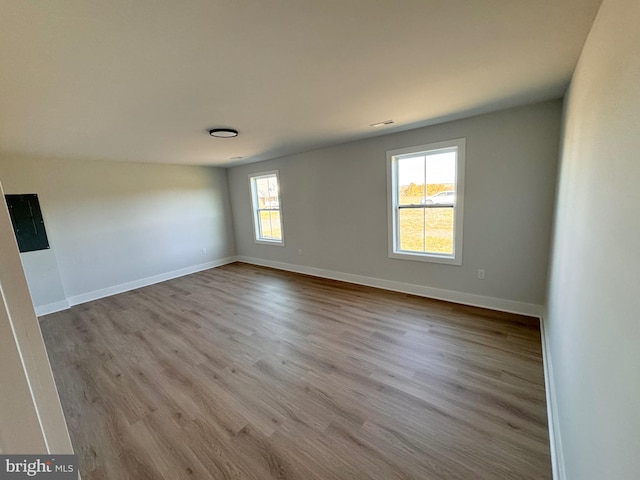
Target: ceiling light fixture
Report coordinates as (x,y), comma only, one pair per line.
(223,133)
(380,124)
(236,158)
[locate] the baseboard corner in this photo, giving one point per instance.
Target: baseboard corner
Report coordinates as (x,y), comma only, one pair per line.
(132,285)
(555,442)
(51,307)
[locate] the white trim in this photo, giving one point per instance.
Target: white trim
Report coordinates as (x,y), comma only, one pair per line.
(555,442)
(255,208)
(492,303)
(145,282)
(459,146)
(277,243)
(51,308)
(125,287)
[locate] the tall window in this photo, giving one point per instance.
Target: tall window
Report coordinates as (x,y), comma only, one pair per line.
(426,193)
(267,217)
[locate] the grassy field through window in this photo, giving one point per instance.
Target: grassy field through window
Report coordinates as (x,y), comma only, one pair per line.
(270,226)
(426,229)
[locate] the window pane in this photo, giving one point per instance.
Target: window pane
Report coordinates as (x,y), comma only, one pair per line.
(411,180)
(262,190)
(440,175)
(426,230)
(411,224)
(426,179)
(270,226)
(272,193)
(439,230)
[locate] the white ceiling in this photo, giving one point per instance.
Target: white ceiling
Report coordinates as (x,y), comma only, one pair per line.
(144,80)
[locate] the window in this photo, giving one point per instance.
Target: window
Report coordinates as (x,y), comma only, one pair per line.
(267,216)
(426,195)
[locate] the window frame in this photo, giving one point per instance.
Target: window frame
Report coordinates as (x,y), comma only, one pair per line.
(255,208)
(392,203)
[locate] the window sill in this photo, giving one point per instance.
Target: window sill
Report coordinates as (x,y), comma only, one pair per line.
(430,258)
(276,243)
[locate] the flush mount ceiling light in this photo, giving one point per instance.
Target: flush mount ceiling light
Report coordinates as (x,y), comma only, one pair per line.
(223,133)
(381,124)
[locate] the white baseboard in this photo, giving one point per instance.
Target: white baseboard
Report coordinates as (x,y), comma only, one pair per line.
(555,443)
(145,282)
(51,308)
(125,287)
(420,290)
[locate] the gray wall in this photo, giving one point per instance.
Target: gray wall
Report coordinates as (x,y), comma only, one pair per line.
(334,204)
(112,223)
(593,319)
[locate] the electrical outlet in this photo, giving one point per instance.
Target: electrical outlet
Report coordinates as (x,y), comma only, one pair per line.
(299,251)
(204,251)
(481,274)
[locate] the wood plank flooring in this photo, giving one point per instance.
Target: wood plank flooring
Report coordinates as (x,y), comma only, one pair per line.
(243,372)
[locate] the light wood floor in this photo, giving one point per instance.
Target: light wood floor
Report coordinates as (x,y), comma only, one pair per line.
(243,372)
